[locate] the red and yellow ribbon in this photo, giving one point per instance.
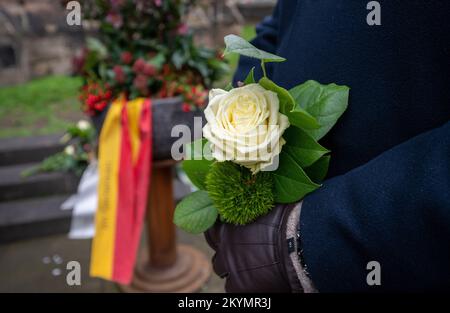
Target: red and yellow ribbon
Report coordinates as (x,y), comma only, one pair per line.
(125,152)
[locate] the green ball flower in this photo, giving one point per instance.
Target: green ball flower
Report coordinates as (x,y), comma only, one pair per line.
(238,195)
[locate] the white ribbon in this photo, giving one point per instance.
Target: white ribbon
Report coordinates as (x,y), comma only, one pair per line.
(84,205)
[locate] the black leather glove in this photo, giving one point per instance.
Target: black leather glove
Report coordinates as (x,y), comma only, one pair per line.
(254,257)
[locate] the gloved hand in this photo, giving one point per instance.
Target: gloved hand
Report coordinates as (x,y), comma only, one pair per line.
(254,257)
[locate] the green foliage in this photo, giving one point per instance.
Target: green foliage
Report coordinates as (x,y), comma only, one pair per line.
(60,162)
(297,116)
(236,44)
(250,79)
(290,181)
(312,109)
(75,157)
(228,87)
(195,213)
(96,46)
(318,170)
(41,106)
(304,149)
(144,48)
(196,165)
(248,32)
(325,102)
(84,136)
(38,93)
(239,196)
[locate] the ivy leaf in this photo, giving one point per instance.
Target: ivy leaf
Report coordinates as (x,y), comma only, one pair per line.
(325,102)
(318,171)
(304,149)
(297,116)
(196,165)
(195,213)
(241,46)
(290,181)
(250,79)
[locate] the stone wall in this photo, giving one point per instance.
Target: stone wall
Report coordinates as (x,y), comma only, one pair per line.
(35,40)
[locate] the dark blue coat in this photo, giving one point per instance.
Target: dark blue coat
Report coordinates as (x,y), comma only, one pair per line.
(387,198)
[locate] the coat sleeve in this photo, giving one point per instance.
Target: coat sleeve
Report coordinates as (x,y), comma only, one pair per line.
(266,39)
(395,210)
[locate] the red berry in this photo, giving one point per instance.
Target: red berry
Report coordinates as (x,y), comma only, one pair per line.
(108,95)
(119,74)
(126,57)
(101,105)
(140,82)
(182,29)
(91,100)
(149,69)
(139,65)
(186,107)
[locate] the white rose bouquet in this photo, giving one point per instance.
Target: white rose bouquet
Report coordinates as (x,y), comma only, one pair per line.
(260,146)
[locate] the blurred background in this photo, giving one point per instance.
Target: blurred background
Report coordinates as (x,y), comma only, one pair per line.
(40,110)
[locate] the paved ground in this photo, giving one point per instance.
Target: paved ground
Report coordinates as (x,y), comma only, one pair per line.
(39,265)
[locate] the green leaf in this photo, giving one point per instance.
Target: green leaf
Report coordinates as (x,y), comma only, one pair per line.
(218,65)
(286,100)
(158,60)
(198,150)
(97,46)
(228,87)
(325,102)
(304,149)
(197,170)
(241,46)
(178,59)
(318,171)
(297,116)
(290,181)
(196,165)
(195,213)
(250,79)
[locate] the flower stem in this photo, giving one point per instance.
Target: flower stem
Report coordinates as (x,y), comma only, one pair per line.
(263,68)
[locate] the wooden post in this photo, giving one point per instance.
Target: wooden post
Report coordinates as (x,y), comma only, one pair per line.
(161,230)
(166,267)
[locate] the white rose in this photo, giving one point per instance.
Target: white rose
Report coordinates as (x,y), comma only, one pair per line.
(83,125)
(69,150)
(244,125)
